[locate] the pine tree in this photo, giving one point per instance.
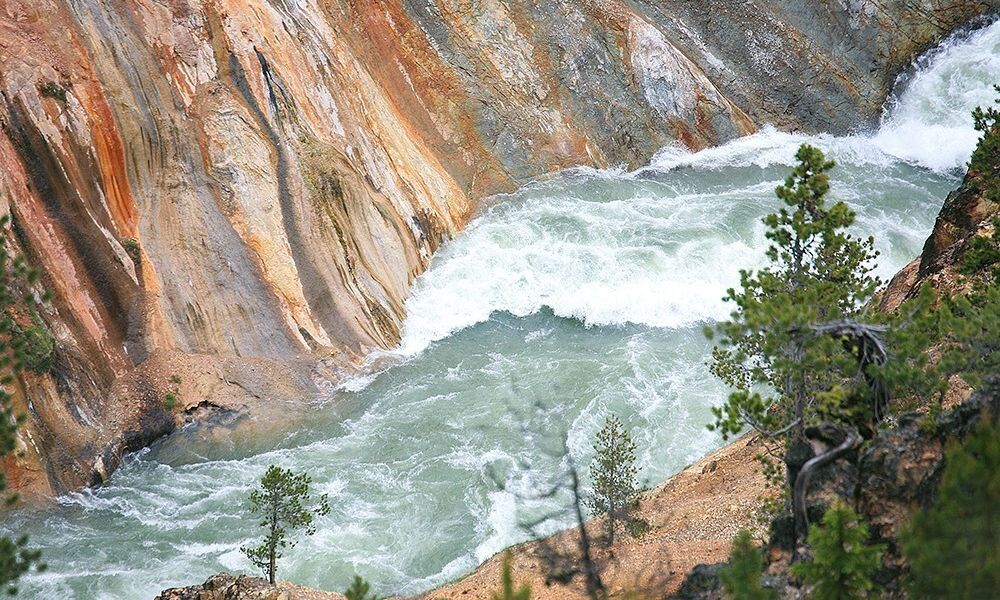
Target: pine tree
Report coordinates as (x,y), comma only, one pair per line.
(843,563)
(613,476)
(741,578)
(817,274)
(968,329)
(953,547)
(507,591)
(360,590)
(17,353)
(282,500)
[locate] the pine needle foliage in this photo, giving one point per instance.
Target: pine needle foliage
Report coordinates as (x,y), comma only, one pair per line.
(982,255)
(741,579)
(985,162)
(843,563)
(507,591)
(767,351)
(17,353)
(360,590)
(953,547)
(613,477)
(34,345)
(968,327)
(283,499)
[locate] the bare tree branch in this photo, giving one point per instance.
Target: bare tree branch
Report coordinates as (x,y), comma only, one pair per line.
(801,487)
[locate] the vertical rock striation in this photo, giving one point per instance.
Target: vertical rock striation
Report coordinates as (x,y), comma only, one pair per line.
(224,189)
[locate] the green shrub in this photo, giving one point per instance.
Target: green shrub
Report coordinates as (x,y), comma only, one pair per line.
(360,590)
(985,161)
(842,564)
(173,397)
(982,253)
(34,346)
(131,246)
(51,89)
(741,579)
(953,547)
(507,591)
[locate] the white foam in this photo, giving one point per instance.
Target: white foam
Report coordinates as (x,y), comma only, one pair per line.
(769,147)
(929,123)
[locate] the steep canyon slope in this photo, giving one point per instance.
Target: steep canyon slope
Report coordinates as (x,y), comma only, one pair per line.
(227,192)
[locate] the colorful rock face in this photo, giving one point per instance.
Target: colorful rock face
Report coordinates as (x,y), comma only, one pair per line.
(213,188)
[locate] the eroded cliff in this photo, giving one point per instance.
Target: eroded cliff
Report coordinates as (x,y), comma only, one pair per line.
(225,192)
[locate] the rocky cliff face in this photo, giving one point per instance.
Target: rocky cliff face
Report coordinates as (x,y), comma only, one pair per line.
(225,191)
(886,481)
(967,213)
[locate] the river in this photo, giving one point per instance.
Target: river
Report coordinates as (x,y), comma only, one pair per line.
(578,296)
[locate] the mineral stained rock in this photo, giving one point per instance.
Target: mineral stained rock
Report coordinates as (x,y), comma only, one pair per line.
(221,190)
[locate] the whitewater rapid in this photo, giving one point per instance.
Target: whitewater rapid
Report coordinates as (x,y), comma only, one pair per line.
(576,297)
(597,258)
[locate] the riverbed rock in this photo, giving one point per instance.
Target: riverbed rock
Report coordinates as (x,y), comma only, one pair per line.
(260,181)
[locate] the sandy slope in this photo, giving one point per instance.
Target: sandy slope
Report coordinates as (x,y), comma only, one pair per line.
(693,515)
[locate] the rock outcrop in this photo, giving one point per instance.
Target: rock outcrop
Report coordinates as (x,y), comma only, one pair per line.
(216,189)
(236,587)
(967,213)
(893,475)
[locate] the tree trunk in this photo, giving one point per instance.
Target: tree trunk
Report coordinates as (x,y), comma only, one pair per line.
(272,543)
(592,578)
(611,529)
(800,489)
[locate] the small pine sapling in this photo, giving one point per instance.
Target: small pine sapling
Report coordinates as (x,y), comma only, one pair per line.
(507,591)
(843,563)
(741,578)
(613,476)
(360,590)
(282,499)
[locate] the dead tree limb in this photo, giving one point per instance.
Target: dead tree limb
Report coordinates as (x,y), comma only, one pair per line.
(801,487)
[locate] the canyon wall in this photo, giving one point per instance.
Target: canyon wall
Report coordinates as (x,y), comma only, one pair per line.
(220,193)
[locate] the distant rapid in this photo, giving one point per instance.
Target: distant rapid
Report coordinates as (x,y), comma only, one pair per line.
(578,296)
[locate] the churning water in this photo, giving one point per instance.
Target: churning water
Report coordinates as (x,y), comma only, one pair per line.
(576,297)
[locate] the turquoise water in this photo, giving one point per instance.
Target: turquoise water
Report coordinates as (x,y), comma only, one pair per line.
(577,297)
